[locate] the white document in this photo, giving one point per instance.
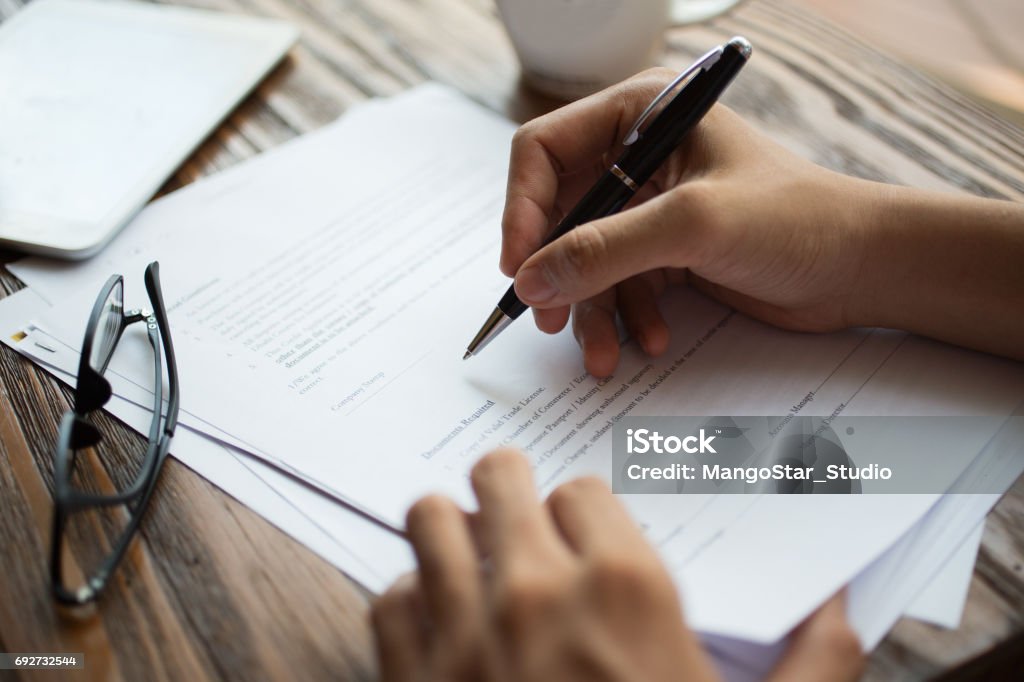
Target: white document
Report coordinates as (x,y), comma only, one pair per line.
(943,600)
(332,284)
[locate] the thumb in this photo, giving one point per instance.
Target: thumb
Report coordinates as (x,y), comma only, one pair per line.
(596,256)
(824,647)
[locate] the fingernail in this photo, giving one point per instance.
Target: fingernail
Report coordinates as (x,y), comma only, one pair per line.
(533,286)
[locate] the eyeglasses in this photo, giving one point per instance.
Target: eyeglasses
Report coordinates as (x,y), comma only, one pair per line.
(88,509)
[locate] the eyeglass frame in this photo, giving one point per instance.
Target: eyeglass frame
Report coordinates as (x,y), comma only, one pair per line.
(77,432)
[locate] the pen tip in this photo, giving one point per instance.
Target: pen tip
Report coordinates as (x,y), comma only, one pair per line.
(468,355)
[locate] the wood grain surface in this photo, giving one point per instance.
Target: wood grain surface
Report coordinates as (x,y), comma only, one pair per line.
(212,591)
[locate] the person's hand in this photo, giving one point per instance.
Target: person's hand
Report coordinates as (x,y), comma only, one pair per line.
(565,590)
(735,214)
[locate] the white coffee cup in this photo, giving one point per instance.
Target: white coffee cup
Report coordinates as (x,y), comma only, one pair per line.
(696,11)
(571,48)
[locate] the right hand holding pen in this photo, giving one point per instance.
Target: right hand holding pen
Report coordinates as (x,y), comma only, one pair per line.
(732,213)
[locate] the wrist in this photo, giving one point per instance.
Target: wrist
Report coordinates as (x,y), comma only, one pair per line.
(898,273)
(865,218)
(937,264)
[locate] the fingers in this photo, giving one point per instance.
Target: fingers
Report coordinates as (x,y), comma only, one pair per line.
(594,257)
(552,320)
(564,141)
(824,647)
(593,323)
(636,300)
(439,533)
(511,524)
(638,306)
(593,521)
(397,622)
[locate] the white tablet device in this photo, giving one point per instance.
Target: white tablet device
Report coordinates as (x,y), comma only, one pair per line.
(100,101)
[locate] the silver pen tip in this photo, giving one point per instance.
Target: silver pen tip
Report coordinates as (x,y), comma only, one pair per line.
(492,327)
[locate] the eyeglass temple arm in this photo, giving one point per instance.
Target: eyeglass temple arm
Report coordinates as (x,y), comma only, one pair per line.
(152,278)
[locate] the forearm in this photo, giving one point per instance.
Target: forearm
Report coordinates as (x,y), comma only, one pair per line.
(946,266)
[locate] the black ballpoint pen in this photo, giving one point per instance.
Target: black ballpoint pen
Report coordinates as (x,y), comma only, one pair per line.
(703,83)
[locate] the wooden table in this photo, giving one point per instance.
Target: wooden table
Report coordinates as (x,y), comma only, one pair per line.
(214,591)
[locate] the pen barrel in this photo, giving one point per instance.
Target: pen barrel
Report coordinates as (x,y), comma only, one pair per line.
(608,195)
(681,115)
(511,305)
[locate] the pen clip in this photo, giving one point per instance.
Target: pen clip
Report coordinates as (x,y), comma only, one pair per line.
(703,63)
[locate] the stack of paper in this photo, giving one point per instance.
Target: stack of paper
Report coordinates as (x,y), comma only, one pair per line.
(320,296)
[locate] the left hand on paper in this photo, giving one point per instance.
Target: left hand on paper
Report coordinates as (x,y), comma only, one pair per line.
(568,589)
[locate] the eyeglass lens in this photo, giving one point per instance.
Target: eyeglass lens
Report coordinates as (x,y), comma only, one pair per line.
(107,327)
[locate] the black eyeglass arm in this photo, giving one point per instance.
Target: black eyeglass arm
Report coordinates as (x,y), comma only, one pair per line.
(160,312)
